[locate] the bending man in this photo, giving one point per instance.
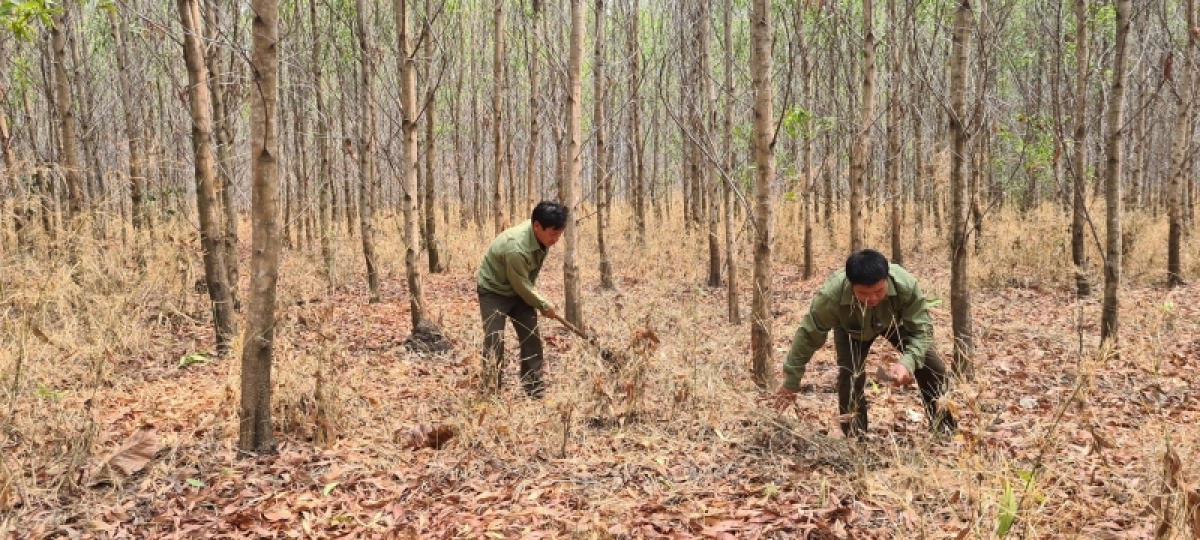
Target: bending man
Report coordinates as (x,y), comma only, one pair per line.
(868,299)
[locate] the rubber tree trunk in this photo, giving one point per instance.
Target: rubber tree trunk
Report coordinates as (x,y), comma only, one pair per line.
(255,432)
(573,299)
(732,296)
(408,103)
(324,174)
(862,142)
(366,155)
(960,256)
(1181,162)
(600,130)
(66,117)
(499,92)
(1114,141)
(764,176)
(131,106)
(1079,159)
(215,274)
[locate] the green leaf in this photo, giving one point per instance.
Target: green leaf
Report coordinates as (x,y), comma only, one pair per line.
(329,488)
(50,393)
(196,483)
(194,358)
(1008,511)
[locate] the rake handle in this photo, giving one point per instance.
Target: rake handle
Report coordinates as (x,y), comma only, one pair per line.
(571,327)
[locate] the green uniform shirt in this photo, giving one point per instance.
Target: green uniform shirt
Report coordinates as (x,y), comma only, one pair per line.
(511,266)
(836,306)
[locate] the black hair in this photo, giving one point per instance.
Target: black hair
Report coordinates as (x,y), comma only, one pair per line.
(551,215)
(866,267)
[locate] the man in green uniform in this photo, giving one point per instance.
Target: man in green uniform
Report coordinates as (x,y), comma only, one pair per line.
(868,299)
(506,283)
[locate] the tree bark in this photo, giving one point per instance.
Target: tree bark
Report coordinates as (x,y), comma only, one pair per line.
(408,102)
(255,433)
(215,274)
(1079,160)
(960,256)
(535,96)
(72,168)
(705,125)
(764,159)
(431,240)
(499,58)
(1114,140)
(808,198)
(366,154)
(896,71)
(1181,158)
(635,111)
(732,296)
(324,174)
(600,120)
(130,104)
(862,142)
(571,187)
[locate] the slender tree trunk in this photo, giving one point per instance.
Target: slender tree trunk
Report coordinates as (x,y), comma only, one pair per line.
(764,159)
(732,296)
(634,53)
(255,433)
(80,77)
(408,101)
(224,133)
(324,176)
(366,153)
(1114,140)
(600,120)
(535,96)
(72,168)
(215,274)
(1137,176)
(807,196)
(960,256)
(862,142)
(499,58)
(896,71)
(706,123)
(571,186)
(1181,158)
(10,159)
(133,131)
(464,207)
(431,239)
(1079,159)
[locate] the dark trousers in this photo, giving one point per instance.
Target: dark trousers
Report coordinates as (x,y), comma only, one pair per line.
(495,309)
(852,379)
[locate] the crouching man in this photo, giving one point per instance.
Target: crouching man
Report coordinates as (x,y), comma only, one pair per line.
(868,299)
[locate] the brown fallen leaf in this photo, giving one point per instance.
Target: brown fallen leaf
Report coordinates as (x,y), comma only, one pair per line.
(130,458)
(428,436)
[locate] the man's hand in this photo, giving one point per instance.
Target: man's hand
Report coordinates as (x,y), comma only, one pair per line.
(783,398)
(549,313)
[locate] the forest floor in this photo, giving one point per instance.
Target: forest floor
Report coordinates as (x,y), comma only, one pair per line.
(1057,439)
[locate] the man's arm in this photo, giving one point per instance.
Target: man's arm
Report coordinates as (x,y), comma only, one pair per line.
(519,268)
(918,326)
(810,336)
